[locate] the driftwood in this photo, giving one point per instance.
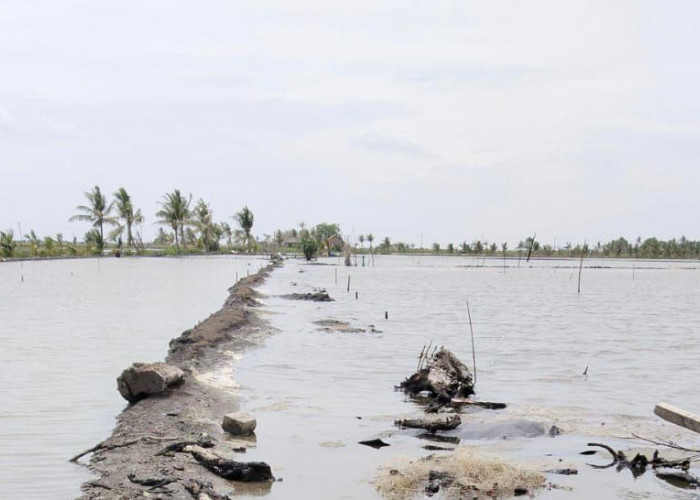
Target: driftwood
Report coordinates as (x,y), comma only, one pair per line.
(444,377)
(204,442)
(230,469)
(431,424)
(482,404)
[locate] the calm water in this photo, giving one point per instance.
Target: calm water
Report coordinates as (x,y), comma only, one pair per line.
(69,328)
(635,327)
(72,326)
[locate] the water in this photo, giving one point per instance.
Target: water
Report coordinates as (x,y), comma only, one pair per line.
(316,394)
(69,328)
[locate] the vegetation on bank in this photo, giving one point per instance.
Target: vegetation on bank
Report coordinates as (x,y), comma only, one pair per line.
(191,228)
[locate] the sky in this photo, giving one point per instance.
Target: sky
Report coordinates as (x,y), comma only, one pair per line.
(441,121)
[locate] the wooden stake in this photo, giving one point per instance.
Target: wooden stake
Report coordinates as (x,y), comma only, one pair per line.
(348,283)
(580,266)
(471,330)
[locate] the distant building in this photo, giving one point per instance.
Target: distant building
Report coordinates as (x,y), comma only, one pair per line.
(292,241)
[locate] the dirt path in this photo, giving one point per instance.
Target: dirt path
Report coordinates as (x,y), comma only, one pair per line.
(126,463)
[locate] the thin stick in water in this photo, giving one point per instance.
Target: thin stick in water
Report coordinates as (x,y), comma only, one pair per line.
(348,283)
(427,353)
(471,330)
(580,266)
(532,245)
(420,357)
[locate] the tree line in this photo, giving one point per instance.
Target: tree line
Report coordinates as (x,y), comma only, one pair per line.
(191,227)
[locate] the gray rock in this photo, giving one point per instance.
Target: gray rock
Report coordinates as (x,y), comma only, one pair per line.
(141,380)
(240,423)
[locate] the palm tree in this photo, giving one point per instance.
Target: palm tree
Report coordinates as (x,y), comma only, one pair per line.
(126,214)
(175,212)
(362,241)
(226,232)
(209,231)
(97,212)
(59,241)
(34,242)
(7,243)
(245,221)
(49,245)
(370,239)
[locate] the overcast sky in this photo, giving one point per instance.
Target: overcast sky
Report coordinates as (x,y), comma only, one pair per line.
(451,120)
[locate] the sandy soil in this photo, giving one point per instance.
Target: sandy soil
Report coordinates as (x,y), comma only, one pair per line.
(190,412)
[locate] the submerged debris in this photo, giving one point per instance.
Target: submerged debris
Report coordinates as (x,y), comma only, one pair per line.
(318,296)
(330,325)
(673,471)
(374,443)
(431,424)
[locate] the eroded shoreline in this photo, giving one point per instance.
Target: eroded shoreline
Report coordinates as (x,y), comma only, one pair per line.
(187,412)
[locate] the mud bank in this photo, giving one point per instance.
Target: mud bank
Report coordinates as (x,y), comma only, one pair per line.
(128,464)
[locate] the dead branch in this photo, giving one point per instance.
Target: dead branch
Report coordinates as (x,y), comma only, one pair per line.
(661,442)
(102,446)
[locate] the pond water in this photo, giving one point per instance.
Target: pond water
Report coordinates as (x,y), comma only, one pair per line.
(68,328)
(71,326)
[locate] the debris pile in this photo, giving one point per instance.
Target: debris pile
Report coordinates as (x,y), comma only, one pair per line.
(444,376)
(461,474)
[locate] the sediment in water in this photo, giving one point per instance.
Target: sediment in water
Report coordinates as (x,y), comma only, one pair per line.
(128,460)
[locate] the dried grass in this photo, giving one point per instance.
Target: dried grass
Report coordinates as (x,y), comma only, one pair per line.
(463,475)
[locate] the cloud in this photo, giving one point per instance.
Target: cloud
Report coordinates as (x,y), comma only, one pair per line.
(387,144)
(7,122)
